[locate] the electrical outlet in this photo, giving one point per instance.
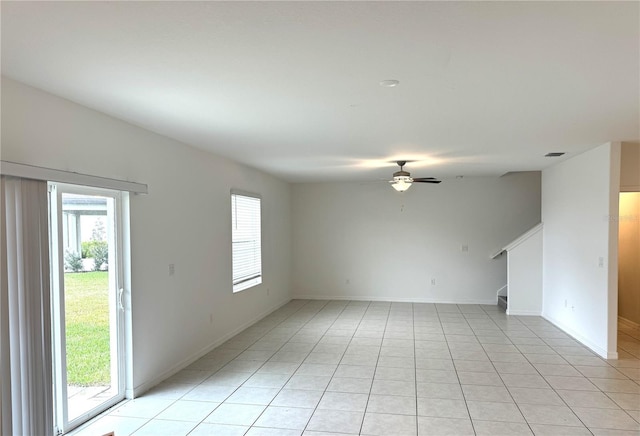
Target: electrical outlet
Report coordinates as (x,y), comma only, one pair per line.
(172,269)
(464,248)
(601,262)
(433,282)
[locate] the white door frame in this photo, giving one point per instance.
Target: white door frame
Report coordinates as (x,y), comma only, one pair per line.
(116,302)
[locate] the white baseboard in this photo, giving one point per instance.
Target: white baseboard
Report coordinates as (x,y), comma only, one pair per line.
(142,388)
(629,323)
(583,340)
(491,302)
(523,312)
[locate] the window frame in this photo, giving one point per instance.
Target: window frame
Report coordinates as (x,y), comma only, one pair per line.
(253,281)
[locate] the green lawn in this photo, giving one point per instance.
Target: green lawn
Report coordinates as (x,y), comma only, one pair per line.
(87,324)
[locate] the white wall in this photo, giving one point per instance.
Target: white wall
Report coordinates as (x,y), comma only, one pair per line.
(629,257)
(524,274)
(185,220)
(367,241)
(579,204)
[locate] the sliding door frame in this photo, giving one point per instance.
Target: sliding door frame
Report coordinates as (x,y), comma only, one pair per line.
(116,303)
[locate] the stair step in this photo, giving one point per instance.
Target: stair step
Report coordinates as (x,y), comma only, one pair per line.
(502,301)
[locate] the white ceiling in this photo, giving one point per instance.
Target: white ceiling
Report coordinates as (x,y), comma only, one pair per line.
(293,87)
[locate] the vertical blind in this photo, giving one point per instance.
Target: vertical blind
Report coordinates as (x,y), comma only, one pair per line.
(25,309)
(246,241)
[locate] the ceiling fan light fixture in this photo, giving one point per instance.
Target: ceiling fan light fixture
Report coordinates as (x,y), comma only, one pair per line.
(402,179)
(401,183)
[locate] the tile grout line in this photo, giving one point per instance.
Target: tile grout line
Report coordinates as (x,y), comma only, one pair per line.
(506,388)
(598,387)
(254,372)
(375,369)
(298,367)
(534,327)
(338,365)
(455,368)
(173,401)
(546,381)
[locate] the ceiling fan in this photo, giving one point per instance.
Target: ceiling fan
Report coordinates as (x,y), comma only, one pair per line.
(402,179)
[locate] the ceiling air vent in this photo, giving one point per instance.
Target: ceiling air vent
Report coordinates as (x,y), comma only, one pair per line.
(554,154)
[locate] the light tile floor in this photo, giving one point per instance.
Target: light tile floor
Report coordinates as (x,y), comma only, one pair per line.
(373,368)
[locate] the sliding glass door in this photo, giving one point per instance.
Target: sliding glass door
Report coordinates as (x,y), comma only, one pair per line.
(87,302)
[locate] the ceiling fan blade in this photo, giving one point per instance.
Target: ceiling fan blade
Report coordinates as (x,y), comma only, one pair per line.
(422,179)
(427,181)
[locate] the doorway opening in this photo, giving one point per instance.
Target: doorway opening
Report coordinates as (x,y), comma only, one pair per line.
(629,275)
(87,293)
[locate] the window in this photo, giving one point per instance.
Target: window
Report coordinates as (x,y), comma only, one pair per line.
(246,241)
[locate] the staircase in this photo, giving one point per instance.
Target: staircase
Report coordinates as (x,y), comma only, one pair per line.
(502,302)
(524,274)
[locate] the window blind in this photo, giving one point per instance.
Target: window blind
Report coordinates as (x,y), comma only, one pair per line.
(246,241)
